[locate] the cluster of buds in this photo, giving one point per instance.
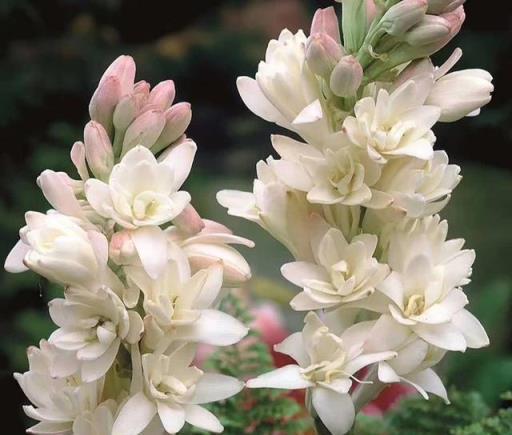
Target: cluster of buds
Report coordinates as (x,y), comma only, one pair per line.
(356,202)
(142,273)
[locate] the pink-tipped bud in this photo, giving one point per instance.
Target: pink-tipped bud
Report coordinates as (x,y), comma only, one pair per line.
(125,112)
(438,7)
(144,131)
(189,221)
(322,54)
(122,249)
(346,77)
(326,21)
(104,101)
(456,19)
(98,150)
(430,30)
(177,120)
(78,158)
(123,69)
(162,95)
(402,16)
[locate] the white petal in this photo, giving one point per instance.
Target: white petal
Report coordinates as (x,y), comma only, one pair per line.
(298,271)
(473,331)
(430,382)
(202,418)
(444,335)
(180,158)
(387,374)
(98,195)
(287,377)
(255,101)
(92,370)
(214,327)
(311,113)
(14,261)
(335,410)
(293,345)
(213,386)
(172,416)
(134,416)
(151,245)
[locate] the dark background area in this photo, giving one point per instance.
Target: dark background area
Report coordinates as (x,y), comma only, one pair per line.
(53,52)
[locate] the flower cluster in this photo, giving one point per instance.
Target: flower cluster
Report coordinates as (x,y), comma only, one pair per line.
(356,200)
(142,274)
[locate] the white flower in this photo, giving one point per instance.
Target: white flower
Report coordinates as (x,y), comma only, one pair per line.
(394,125)
(63,406)
(142,191)
(58,248)
(424,285)
(420,188)
(278,209)
(92,325)
(326,363)
(415,358)
(285,90)
(458,94)
(340,174)
(178,305)
(210,246)
(343,271)
(174,390)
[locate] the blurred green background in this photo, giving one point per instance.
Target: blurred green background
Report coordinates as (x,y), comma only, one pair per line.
(52,54)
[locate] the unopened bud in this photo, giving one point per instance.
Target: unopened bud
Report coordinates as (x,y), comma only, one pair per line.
(144,131)
(104,101)
(437,7)
(122,249)
(123,69)
(430,30)
(98,150)
(346,77)
(189,221)
(177,120)
(162,95)
(322,54)
(325,21)
(125,113)
(404,15)
(78,158)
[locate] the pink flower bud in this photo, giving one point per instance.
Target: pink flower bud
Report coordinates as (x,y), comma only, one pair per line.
(144,131)
(123,69)
(326,21)
(104,101)
(189,221)
(78,158)
(430,30)
(125,112)
(122,249)
(402,16)
(98,150)
(346,77)
(162,95)
(322,54)
(177,120)
(438,7)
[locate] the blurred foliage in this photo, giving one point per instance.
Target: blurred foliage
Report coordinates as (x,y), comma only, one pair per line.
(262,410)
(52,54)
(468,414)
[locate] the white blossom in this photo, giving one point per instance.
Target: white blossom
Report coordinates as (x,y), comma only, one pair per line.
(142,191)
(394,125)
(327,365)
(423,287)
(57,247)
(174,390)
(285,90)
(343,271)
(92,326)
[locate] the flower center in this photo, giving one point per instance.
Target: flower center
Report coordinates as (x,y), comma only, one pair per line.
(415,305)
